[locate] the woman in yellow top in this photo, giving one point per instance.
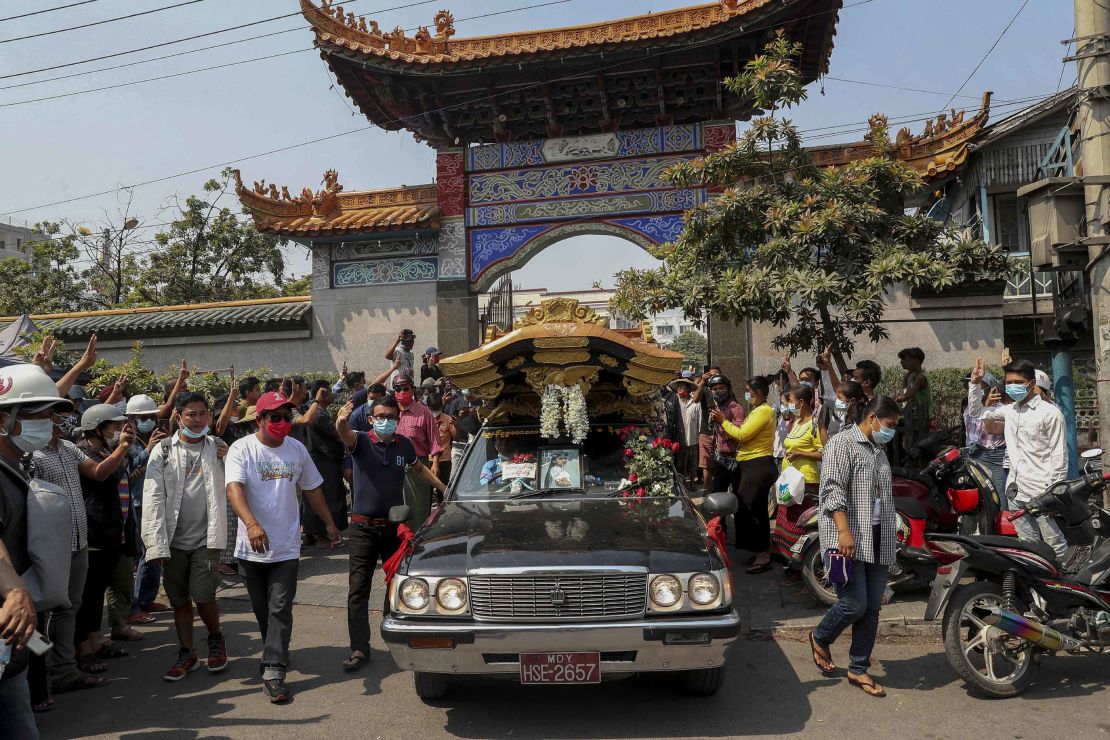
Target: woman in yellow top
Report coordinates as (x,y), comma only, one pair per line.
(755,453)
(804,447)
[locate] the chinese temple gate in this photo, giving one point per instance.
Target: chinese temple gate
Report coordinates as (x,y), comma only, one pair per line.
(540,136)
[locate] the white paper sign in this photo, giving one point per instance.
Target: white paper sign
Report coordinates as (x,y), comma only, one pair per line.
(515,471)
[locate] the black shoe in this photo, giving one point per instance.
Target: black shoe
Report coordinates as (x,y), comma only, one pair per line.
(276,689)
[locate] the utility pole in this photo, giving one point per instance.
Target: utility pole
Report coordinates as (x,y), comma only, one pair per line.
(1092,58)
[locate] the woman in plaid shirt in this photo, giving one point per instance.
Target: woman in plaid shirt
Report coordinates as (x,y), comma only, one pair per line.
(857,519)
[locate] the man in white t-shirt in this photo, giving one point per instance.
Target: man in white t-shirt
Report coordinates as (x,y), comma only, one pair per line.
(263,472)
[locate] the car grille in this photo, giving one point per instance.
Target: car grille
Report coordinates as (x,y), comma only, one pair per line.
(562,596)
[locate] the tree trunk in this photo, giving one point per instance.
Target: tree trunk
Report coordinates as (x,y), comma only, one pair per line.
(830,331)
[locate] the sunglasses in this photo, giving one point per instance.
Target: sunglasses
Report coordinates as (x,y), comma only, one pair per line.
(278,417)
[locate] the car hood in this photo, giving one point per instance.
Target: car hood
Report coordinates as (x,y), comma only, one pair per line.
(660,535)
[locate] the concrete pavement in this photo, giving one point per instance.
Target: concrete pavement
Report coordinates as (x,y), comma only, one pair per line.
(773,690)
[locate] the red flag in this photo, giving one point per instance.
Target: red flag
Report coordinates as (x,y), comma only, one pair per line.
(715,533)
(390,566)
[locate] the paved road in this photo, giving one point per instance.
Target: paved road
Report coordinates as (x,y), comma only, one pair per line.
(773,690)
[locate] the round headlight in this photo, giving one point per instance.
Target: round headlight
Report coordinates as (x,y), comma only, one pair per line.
(451,594)
(414,593)
(665,591)
(704,588)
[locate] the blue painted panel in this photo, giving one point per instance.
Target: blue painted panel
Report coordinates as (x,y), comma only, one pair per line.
(488,246)
(384,271)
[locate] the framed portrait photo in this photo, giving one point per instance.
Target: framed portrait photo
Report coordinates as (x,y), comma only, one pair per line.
(560,467)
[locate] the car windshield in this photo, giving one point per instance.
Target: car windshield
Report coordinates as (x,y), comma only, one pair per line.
(518,461)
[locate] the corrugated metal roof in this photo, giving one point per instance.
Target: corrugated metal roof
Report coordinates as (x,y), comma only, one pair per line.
(212,319)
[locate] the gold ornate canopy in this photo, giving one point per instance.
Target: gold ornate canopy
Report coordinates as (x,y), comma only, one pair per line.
(563,343)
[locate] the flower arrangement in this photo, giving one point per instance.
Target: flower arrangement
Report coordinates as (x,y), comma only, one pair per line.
(523,457)
(650,463)
(564,406)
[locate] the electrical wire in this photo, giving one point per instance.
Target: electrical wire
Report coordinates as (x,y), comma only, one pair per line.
(47,10)
(980,64)
(876,84)
(100,22)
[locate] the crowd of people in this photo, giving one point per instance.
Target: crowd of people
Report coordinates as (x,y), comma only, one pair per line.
(107,502)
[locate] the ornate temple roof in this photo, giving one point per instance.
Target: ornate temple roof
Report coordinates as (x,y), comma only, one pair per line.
(333,212)
(940,150)
(645,70)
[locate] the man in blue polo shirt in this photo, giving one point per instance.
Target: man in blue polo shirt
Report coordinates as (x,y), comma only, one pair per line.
(380,459)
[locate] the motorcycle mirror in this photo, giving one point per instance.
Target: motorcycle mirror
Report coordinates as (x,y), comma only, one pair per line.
(399,514)
(722,503)
(1092,454)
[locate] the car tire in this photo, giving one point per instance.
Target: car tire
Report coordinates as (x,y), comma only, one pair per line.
(430,686)
(703,681)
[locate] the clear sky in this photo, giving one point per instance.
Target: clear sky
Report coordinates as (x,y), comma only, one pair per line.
(86,143)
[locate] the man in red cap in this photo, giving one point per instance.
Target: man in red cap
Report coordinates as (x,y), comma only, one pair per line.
(418,425)
(263,472)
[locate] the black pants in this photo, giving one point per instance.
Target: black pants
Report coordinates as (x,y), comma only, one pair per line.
(753,523)
(334,493)
(725,479)
(365,545)
(37,677)
(272,588)
(102,569)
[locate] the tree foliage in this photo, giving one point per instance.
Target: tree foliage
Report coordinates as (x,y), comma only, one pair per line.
(47,282)
(810,250)
(693,346)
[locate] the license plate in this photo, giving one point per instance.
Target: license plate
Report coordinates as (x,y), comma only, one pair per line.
(567,668)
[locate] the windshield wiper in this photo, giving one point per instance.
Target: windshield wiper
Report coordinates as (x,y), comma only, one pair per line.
(543,492)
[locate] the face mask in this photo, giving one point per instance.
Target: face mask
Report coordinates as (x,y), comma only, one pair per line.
(235,420)
(196,435)
(385,427)
(683,393)
(840,405)
(790,408)
(34,435)
(747,396)
(807,383)
(1017,391)
(279,430)
(113,441)
(122,406)
(883,434)
(436,414)
(720,396)
(145,426)
(403,397)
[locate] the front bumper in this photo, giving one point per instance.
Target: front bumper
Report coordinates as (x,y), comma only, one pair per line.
(635,646)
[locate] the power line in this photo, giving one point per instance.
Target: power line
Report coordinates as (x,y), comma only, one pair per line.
(100,22)
(980,64)
(46,10)
(873,84)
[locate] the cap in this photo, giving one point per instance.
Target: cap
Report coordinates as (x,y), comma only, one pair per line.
(432,351)
(719,380)
(101,413)
(270,402)
(141,404)
(1042,380)
(687,373)
(28,385)
(401,379)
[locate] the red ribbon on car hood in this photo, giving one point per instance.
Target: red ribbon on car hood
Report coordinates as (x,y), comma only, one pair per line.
(715,533)
(390,566)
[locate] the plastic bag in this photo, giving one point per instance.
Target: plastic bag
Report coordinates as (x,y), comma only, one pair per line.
(790,488)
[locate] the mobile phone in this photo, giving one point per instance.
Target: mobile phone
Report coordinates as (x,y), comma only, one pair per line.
(704,369)
(38,644)
(164,426)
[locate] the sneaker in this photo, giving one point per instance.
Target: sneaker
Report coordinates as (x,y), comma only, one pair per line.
(156,606)
(227,570)
(187,662)
(276,689)
(217,653)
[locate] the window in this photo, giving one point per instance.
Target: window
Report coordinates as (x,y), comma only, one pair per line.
(664,330)
(1006,226)
(3,244)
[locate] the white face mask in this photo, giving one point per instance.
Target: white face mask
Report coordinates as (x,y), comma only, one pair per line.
(112,440)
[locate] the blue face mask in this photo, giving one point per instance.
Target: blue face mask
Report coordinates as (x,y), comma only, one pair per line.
(790,408)
(806,383)
(385,427)
(34,435)
(145,426)
(194,435)
(1017,391)
(747,396)
(883,434)
(840,405)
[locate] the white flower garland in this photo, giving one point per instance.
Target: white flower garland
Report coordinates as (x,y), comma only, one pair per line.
(550,412)
(575,415)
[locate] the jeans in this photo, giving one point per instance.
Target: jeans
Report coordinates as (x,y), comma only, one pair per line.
(365,545)
(148,577)
(61,661)
(860,600)
(17,720)
(991,459)
(120,591)
(272,588)
(1042,529)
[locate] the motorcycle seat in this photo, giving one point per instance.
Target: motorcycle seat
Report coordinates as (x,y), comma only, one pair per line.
(910,507)
(1037,548)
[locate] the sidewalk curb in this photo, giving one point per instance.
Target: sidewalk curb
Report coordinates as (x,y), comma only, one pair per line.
(891,630)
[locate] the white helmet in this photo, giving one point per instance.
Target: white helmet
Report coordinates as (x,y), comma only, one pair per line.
(141,404)
(28,385)
(1042,380)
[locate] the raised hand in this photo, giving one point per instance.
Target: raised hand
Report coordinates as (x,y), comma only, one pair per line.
(89,356)
(786,367)
(346,411)
(44,358)
(978,371)
(184,372)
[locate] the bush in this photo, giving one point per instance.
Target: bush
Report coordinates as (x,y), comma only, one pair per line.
(949,390)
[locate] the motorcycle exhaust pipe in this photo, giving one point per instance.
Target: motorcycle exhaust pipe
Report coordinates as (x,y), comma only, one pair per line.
(1027,629)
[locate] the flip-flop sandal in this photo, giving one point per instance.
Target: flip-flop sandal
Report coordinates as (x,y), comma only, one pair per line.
(80,683)
(749,561)
(817,657)
(43,706)
(756,569)
(868,687)
(110,651)
(89,664)
(140,618)
(355,662)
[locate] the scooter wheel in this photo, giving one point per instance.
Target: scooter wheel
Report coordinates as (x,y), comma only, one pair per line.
(814,577)
(993,663)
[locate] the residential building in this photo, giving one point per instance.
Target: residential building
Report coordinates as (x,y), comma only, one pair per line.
(16,239)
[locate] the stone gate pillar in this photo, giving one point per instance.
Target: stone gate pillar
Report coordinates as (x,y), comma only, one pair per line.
(456,305)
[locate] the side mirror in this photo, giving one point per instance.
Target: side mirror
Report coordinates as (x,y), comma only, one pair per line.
(400,514)
(721,503)
(1092,454)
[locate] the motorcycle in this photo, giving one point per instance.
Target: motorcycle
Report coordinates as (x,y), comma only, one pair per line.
(969,501)
(1022,601)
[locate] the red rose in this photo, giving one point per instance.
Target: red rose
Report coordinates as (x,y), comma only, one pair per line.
(628,452)
(632,478)
(675,447)
(640,493)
